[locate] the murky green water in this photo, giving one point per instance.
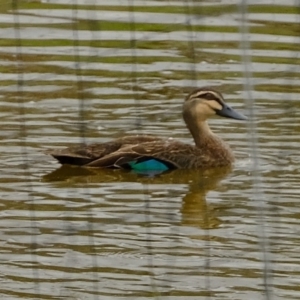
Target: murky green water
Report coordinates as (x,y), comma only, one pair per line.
(86,72)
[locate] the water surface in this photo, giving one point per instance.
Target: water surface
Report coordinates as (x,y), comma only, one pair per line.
(86,73)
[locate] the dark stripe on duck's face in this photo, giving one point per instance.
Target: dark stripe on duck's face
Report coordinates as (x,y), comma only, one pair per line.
(209,96)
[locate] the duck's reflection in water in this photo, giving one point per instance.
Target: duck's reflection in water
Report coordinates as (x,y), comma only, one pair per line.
(195,210)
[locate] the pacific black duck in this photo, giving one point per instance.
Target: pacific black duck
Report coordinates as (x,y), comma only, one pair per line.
(146,152)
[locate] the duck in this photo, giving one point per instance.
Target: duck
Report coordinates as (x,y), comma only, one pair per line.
(147,152)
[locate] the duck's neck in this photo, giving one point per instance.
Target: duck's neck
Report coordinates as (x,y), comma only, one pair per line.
(210,143)
(202,134)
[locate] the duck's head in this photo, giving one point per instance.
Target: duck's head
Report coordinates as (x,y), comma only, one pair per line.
(205,102)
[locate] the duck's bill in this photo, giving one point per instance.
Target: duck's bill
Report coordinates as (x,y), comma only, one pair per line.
(229,112)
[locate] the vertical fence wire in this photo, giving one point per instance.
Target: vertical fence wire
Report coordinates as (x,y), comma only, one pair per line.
(23,133)
(257,180)
(82,130)
(138,128)
(190,9)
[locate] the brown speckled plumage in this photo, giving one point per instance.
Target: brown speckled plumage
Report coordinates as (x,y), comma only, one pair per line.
(209,150)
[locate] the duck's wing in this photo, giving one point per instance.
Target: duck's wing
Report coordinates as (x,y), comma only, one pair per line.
(156,154)
(85,154)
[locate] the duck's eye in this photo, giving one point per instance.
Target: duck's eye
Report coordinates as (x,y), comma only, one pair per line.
(209,96)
